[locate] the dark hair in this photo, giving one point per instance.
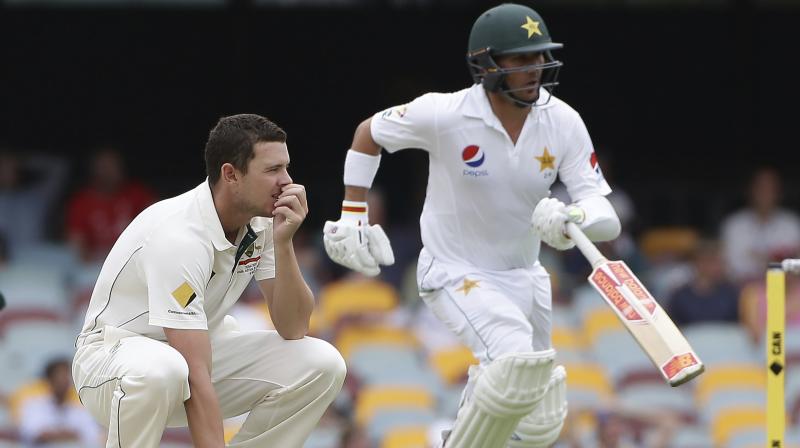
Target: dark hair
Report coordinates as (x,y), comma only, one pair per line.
(232,140)
(54,364)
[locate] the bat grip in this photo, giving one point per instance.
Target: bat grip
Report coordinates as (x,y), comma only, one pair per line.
(585,245)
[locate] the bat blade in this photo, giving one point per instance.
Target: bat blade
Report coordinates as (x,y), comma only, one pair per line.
(647,322)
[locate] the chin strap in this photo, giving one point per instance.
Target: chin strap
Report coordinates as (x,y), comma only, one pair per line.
(519,102)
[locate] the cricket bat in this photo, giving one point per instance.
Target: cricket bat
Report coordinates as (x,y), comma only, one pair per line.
(638,310)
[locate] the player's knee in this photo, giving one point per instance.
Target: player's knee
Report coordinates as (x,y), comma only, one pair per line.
(542,427)
(323,358)
(167,376)
(515,383)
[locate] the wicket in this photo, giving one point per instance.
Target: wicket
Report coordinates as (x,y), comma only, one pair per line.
(776,356)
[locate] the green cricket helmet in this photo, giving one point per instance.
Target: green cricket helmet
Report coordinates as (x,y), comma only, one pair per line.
(510,29)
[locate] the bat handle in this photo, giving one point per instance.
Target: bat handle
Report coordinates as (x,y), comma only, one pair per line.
(585,245)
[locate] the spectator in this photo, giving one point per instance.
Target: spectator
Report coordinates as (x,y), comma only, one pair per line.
(4,256)
(762,232)
(97,214)
(28,189)
(753,306)
(709,295)
(623,428)
(354,436)
(52,418)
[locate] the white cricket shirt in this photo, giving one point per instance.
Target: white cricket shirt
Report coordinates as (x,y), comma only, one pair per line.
(482,188)
(173,267)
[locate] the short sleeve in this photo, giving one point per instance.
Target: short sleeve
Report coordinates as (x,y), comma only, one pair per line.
(176,270)
(411,125)
(580,172)
(266,265)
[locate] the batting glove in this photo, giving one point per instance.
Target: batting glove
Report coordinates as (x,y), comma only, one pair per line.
(549,219)
(355,244)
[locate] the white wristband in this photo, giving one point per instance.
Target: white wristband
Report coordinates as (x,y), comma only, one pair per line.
(360,169)
(356,212)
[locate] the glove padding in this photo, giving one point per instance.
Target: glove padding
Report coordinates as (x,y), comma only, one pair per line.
(548,220)
(358,247)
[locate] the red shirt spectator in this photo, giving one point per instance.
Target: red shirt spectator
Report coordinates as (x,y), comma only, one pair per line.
(98,213)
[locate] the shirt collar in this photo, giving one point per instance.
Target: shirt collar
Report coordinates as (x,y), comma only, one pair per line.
(476,105)
(208,213)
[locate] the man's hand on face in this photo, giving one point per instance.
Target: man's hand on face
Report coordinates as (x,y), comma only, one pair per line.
(291,209)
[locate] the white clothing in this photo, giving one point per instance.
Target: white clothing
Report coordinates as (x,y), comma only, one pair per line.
(750,243)
(41,414)
(173,267)
(492,312)
(479,271)
(136,385)
(482,188)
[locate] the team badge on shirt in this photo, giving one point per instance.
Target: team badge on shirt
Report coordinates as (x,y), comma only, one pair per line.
(398,111)
(546,160)
(248,263)
(595,164)
(184,294)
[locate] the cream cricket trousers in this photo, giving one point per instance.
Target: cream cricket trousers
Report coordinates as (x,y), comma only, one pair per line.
(136,386)
(492,312)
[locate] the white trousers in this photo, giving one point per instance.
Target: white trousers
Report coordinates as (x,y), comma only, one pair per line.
(492,312)
(136,386)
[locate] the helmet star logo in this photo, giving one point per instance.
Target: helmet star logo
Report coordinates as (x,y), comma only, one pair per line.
(468,285)
(531,26)
(546,160)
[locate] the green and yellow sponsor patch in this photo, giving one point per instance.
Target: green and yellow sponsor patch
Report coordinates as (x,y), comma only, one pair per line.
(184,294)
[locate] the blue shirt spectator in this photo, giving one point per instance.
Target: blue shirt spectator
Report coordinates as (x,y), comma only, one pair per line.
(709,296)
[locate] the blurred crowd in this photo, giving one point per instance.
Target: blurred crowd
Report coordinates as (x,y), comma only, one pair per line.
(405,370)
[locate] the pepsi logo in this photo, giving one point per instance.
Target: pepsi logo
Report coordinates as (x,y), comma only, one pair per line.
(473,156)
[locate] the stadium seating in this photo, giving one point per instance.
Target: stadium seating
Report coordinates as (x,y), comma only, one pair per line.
(622,357)
(721,343)
(24,315)
(588,386)
(388,365)
(692,436)
(452,363)
(353,337)
(600,321)
(569,343)
(660,242)
(35,286)
(648,396)
(343,298)
(406,437)
(792,393)
(724,399)
(735,377)
(373,399)
(734,421)
(388,420)
(25,349)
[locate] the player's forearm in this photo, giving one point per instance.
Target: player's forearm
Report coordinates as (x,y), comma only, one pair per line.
(202,410)
(292,301)
(601,222)
(363,143)
(357,194)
